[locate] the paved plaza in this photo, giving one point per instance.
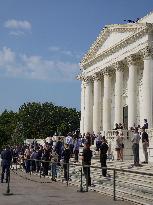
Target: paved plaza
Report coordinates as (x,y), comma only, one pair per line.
(33,192)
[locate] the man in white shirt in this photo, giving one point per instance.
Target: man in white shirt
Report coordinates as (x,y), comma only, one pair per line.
(69,141)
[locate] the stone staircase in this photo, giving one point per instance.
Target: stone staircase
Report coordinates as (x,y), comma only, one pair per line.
(136,188)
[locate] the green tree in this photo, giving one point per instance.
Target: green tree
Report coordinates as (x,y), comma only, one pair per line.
(36,120)
(8,122)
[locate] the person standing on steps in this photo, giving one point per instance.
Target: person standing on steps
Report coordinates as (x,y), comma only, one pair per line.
(118,144)
(66,157)
(135,147)
(145,145)
(76,148)
(59,149)
(145,126)
(103,156)
(69,141)
(86,162)
(121,145)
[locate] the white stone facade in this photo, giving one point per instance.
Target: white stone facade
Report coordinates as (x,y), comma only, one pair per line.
(116,72)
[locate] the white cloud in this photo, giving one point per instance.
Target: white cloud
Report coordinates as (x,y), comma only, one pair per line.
(16,24)
(68,53)
(61,51)
(17,28)
(35,67)
(16,33)
(7,56)
(54,48)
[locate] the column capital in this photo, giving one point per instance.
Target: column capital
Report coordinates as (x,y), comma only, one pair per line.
(119,66)
(133,59)
(80,77)
(88,79)
(97,76)
(107,71)
(147,52)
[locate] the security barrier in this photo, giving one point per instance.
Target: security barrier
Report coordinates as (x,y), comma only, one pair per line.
(74,175)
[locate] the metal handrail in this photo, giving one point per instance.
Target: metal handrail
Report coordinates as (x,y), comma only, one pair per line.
(114,169)
(97,167)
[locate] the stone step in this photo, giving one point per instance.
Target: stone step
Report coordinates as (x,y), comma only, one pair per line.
(124,196)
(129,186)
(121,194)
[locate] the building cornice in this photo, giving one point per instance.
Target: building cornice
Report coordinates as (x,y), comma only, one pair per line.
(141,19)
(91,58)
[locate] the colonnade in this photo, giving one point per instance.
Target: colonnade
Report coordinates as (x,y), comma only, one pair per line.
(96,99)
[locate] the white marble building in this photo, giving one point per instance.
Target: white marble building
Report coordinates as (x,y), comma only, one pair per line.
(116,75)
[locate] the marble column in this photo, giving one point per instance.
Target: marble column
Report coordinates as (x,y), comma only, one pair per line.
(97,104)
(132,89)
(107,100)
(147,85)
(88,117)
(82,107)
(118,92)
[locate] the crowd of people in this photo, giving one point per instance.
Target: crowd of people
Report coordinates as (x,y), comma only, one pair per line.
(138,133)
(57,152)
(49,156)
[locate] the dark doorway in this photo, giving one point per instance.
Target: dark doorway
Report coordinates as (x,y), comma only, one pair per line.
(125,117)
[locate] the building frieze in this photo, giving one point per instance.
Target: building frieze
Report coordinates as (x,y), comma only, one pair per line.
(92,58)
(135,58)
(113,64)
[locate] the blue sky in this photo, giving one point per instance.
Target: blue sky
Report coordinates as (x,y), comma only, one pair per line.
(43,41)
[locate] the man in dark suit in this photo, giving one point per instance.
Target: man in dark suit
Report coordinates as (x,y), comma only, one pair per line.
(145,126)
(66,157)
(6,156)
(145,145)
(86,162)
(103,156)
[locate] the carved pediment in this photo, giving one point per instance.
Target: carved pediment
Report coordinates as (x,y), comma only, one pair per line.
(111,36)
(112,39)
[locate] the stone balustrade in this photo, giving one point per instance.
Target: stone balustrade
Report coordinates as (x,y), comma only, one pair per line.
(127,152)
(150,148)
